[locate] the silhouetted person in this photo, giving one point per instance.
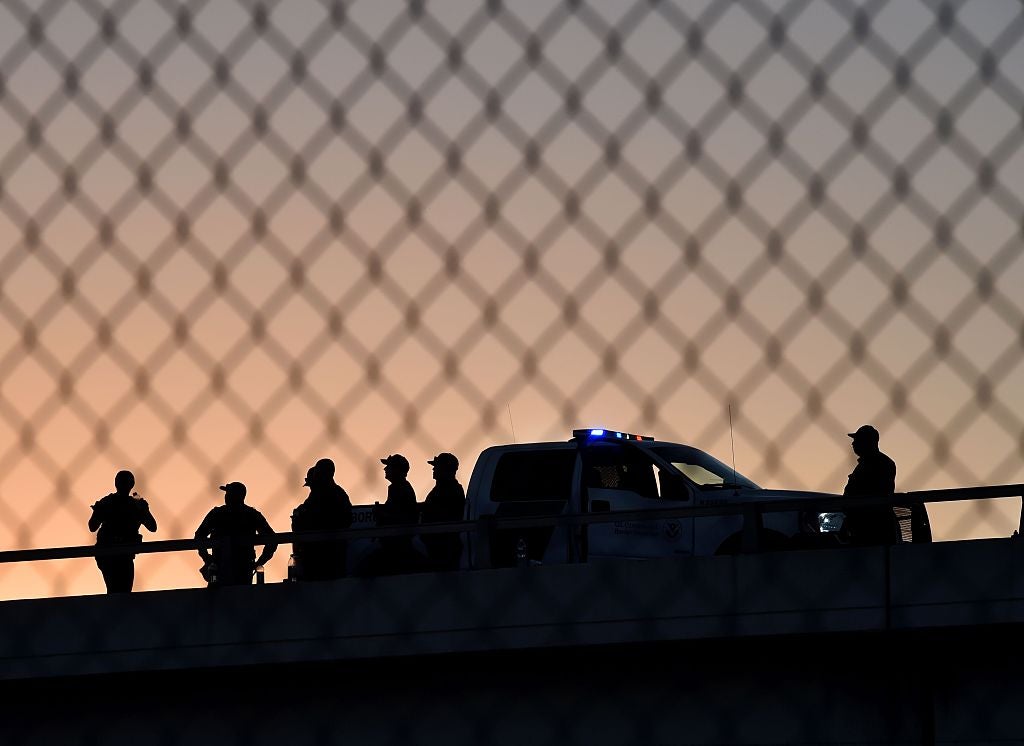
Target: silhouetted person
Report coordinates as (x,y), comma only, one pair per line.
(233,562)
(445,503)
(117,517)
(395,554)
(874,476)
(327,508)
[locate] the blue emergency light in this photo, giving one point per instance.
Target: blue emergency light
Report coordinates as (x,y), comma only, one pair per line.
(600,433)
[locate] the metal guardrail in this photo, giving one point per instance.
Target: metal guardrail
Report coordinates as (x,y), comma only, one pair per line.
(483,526)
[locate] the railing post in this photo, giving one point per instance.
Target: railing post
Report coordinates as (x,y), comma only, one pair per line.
(1020,523)
(484,532)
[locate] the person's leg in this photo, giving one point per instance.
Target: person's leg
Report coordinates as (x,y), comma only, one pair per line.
(453,554)
(313,565)
(408,559)
(103,564)
(118,573)
(240,573)
(369,565)
(335,560)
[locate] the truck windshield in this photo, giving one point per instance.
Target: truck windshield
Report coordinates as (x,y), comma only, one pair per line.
(705,471)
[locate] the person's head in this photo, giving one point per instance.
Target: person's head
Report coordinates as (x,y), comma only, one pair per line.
(396,467)
(865,440)
(320,473)
(234,493)
(123,482)
(324,469)
(445,465)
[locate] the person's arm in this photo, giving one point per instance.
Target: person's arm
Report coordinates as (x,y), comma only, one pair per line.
(147,516)
(267,533)
(346,510)
(457,505)
(96,519)
(382,513)
(413,515)
(853,482)
(203,532)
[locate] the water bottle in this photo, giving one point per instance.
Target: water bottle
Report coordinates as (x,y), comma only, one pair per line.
(291,569)
(259,574)
(521,557)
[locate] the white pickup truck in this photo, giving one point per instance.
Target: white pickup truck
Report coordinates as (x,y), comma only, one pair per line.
(600,471)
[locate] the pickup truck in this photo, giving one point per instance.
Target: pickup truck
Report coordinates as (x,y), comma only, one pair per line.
(600,470)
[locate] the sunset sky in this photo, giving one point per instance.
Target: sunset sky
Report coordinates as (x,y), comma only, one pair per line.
(234,241)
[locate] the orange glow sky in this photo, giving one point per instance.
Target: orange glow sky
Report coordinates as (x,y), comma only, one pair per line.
(230,353)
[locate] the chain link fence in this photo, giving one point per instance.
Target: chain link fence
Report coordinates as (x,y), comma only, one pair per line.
(236,237)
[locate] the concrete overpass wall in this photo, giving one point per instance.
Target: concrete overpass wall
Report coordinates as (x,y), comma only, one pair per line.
(828,647)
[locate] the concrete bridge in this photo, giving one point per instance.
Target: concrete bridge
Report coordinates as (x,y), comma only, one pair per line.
(909,644)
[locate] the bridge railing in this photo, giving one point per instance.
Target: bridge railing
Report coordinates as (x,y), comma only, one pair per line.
(484,528)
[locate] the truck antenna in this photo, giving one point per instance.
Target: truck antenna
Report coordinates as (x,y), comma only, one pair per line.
(509,407)
(732,440)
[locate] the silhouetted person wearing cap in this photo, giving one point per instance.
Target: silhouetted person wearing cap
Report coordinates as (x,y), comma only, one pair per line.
(445,503)
(874,476)
(233,562)
(395,554)
(328,508)
(117,518)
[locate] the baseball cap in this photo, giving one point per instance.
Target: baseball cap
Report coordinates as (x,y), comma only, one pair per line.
(865,432)
(396,460)
(445,459)
(234,488)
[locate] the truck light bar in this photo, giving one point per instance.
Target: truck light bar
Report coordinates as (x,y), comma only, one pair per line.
(598,433)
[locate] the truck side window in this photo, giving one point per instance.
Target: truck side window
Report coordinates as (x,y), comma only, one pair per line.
(614,467)
(534,475)
(671,486)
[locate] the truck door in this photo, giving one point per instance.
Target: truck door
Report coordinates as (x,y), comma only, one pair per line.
(531,483)
(624,477)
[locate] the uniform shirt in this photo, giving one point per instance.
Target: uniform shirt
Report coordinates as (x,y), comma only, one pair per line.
(875,474)
(325,509)
(240,522)
(120,517)
(445,502)
(400,507)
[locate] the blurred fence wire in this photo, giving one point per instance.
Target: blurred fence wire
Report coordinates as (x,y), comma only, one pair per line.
(236,237)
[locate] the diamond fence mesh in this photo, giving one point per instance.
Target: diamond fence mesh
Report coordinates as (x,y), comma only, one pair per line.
(237,237)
